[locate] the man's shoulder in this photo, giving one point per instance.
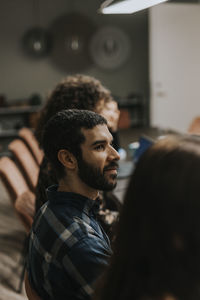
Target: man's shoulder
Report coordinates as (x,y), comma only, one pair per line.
(69,227)
(71,246)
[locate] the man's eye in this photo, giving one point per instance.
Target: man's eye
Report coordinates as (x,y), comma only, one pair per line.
(99,147)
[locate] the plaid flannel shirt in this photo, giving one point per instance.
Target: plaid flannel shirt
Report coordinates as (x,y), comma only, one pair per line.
(68,249)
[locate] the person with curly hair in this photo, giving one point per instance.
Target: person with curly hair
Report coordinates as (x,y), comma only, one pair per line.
(68,249)
(79,92)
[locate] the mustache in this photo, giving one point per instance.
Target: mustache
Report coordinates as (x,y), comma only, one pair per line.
(111,165)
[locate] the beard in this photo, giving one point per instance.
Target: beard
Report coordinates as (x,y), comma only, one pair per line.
(94,177)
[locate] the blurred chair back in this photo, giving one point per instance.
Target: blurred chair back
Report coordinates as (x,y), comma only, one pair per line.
(12,178)
(25,161)
(27,135)
(25,206)
(16,186)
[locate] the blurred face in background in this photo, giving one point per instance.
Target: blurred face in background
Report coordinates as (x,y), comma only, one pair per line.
(109,110)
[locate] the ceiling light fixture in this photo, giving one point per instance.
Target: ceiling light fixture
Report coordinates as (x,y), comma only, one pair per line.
(127,6)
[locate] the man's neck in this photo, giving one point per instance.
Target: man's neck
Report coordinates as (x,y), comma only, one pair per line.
(78,187)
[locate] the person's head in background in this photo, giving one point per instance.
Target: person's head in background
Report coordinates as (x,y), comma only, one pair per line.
(79,92)
(78,145)
(157,249)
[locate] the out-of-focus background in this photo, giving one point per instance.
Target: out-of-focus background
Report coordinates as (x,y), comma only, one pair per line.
(150,60)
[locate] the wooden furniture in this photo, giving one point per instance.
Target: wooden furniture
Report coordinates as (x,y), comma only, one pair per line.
(22,198)
(12,178)
(26,162)
(133,112)
(14,117)
(25,206)
(18,116)
(16,185)
(27,135)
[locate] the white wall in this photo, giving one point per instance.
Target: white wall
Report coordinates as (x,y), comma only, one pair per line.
(20,76)
(174,65)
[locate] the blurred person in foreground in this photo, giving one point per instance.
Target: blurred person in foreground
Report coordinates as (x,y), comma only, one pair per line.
(157,248)
(80,92)
(68,249)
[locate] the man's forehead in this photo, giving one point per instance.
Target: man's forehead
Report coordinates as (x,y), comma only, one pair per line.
(99,132)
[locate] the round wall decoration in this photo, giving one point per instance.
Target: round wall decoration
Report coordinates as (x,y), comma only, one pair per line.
(36,42)
(71,34)
(110,47)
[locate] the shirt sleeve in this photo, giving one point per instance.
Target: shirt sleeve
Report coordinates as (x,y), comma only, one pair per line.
(85,262)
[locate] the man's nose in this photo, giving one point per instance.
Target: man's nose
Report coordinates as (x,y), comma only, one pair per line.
(113,155)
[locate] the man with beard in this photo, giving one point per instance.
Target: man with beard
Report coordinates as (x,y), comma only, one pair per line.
(79,92)
(68,249)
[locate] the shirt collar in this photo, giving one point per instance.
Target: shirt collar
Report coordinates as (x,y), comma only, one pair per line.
(75,200)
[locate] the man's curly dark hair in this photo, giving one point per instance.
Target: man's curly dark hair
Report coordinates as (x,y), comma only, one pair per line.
(77,91)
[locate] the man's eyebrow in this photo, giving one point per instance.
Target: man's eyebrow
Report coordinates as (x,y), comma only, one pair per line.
(100,142)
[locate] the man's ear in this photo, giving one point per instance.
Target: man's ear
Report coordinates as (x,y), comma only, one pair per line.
(67,159)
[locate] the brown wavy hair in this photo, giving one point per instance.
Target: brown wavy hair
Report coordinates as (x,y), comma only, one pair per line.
(73,92)
(157,249)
